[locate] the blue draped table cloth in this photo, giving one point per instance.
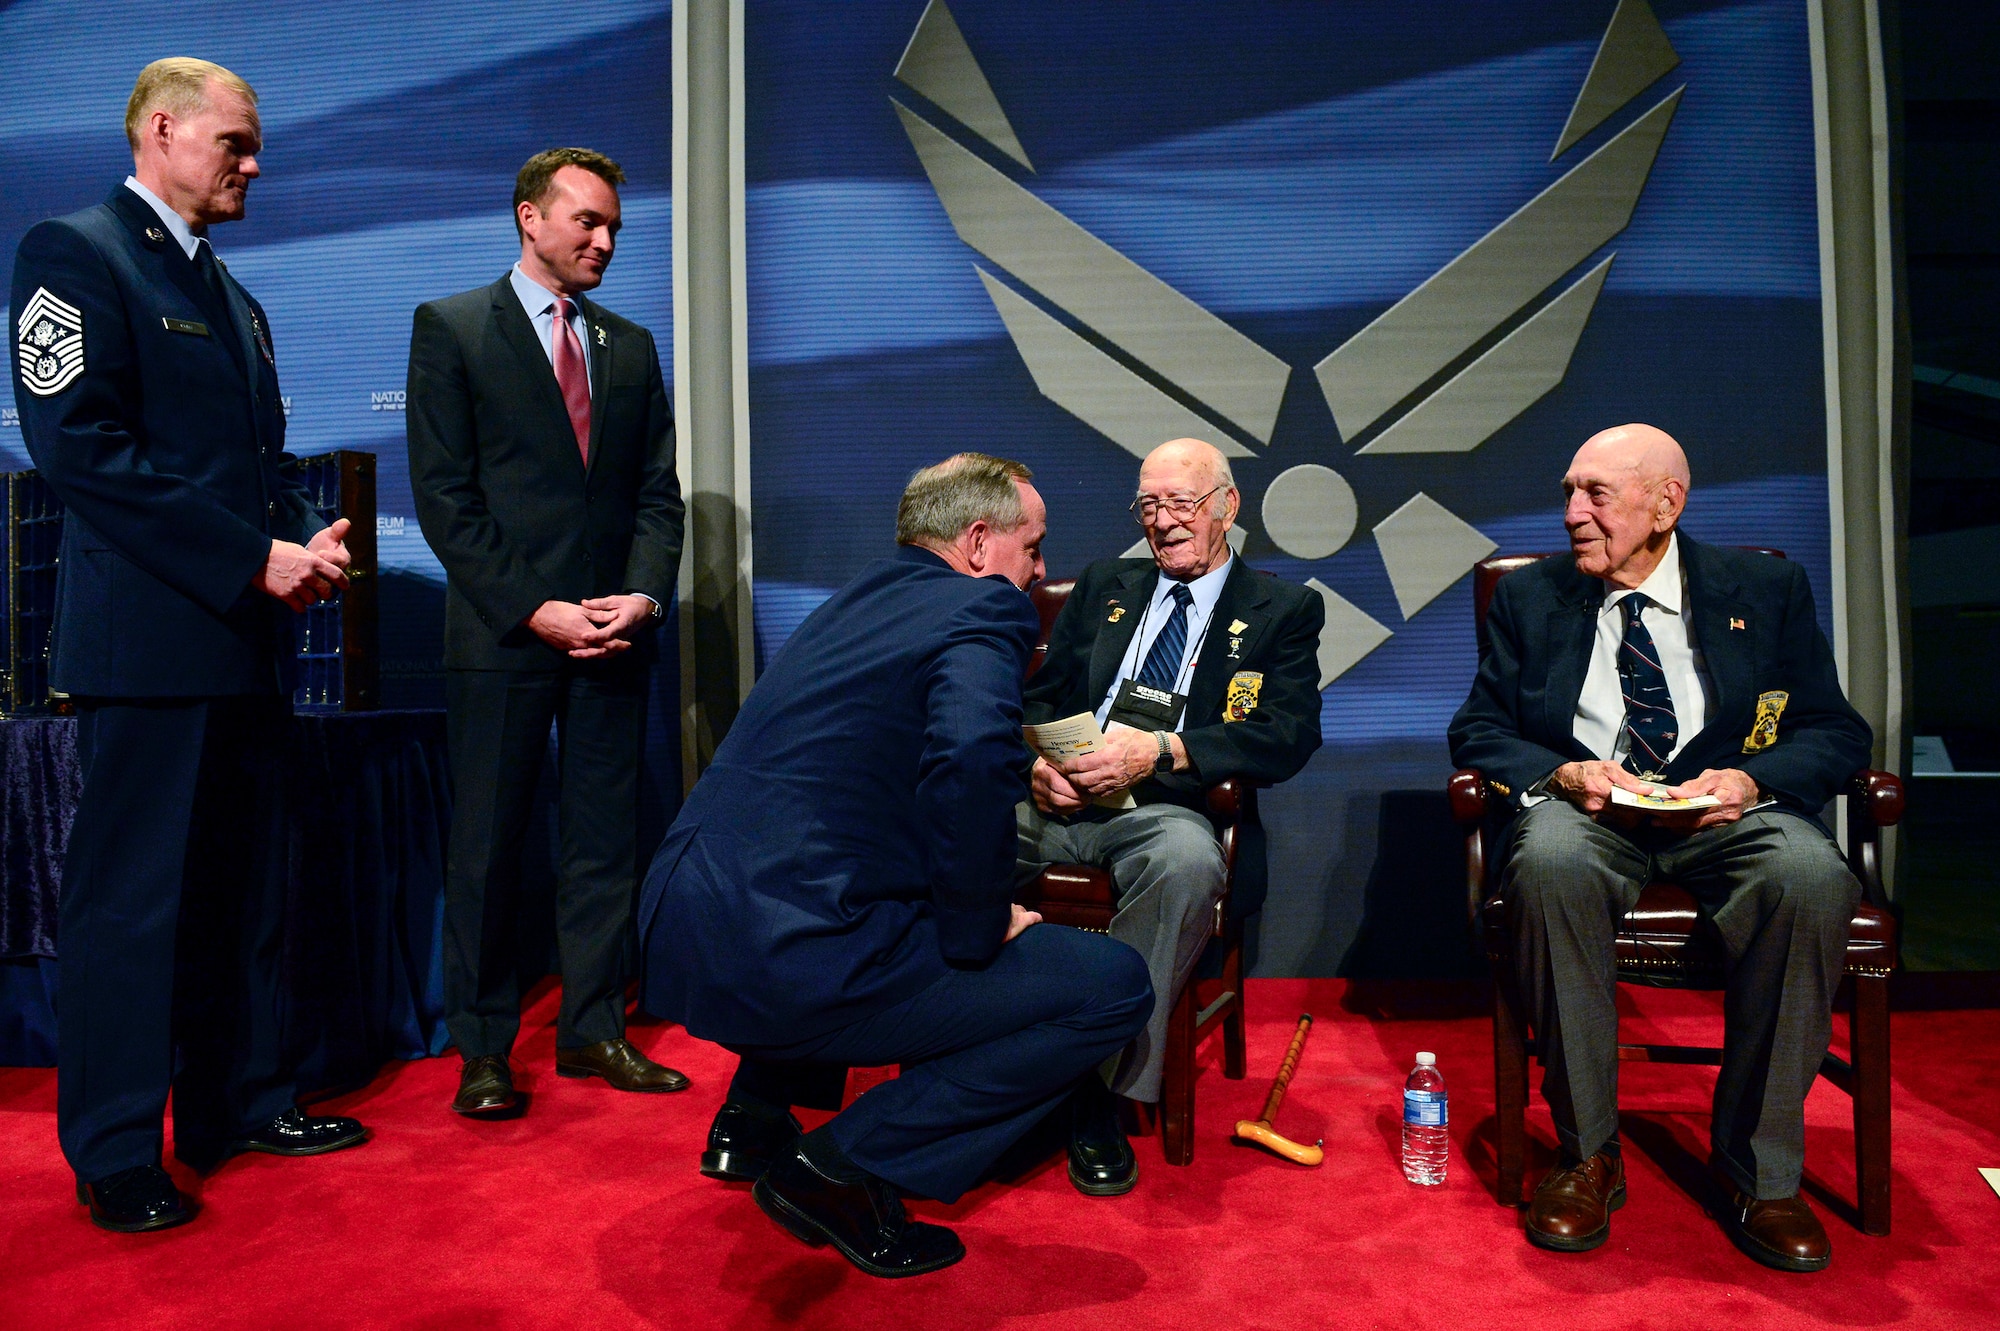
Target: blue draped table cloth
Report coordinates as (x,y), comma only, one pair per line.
(370,809)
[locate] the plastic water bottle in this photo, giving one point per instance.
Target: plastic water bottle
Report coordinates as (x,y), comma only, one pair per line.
(1426,1136)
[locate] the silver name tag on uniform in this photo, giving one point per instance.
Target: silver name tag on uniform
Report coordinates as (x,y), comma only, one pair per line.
(188,326)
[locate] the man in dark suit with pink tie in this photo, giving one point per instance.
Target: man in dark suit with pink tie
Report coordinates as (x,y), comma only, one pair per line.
(542,463)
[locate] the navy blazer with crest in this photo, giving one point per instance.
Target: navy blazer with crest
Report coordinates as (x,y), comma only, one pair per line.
(1279,642)
(1752,617)
(164,448)
(501,492)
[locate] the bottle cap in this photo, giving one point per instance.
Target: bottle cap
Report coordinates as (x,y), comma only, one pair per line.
(1427,1060)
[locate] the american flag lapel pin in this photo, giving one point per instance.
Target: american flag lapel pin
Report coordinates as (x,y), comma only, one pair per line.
(1736,623)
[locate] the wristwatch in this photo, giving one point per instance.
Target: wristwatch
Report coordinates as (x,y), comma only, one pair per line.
(1165,762)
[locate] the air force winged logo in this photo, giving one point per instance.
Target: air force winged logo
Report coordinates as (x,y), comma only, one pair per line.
(1440,372)
(50,344)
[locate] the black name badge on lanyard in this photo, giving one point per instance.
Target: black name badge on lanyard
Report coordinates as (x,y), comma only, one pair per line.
(1144,707)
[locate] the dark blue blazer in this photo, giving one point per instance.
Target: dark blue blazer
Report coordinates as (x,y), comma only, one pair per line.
(854,836)
(164,450)
(1753,619)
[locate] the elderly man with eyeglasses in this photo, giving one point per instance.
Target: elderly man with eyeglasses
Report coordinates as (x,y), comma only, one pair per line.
(1199,668)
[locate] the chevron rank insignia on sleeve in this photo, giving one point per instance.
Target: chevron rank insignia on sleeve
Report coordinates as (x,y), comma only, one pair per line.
(50,346)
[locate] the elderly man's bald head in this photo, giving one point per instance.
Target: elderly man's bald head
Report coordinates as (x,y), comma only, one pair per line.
(1623,495)
(1646,450)
(1187,539)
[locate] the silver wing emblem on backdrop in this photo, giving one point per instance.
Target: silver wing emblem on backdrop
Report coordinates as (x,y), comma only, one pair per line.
(1440,371)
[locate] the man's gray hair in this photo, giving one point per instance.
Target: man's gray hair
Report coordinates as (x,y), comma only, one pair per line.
(941,501)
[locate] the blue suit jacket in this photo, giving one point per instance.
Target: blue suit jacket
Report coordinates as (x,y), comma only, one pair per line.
(164,450)
(1753,617)
(854,836)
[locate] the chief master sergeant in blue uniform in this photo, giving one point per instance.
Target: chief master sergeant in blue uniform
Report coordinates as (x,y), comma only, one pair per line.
(838,891)
(149,398)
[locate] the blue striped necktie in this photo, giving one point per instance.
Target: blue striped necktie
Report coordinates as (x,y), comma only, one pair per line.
(1163,662)
(1650,726)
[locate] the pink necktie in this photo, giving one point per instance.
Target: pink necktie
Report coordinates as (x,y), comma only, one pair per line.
(572,378)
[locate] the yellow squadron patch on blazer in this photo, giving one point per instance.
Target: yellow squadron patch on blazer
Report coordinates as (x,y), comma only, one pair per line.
(1764,730)
(1244,686)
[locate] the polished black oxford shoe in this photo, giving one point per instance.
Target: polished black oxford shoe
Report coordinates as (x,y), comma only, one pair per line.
(485,1086)
(744,1140)
(1101,1162)
(863,1219)
(292,1133)
(135,1200)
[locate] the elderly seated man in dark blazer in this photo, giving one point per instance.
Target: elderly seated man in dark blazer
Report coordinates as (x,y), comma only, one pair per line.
(1200,668)
(838,890)
(1644,660)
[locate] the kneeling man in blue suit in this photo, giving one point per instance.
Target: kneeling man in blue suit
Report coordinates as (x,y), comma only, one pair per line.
(838,891)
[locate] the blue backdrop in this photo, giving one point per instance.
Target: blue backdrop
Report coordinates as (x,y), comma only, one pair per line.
(392,135)
(1296,170)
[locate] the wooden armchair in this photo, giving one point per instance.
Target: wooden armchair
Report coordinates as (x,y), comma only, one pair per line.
(1084,898)
(1660,944)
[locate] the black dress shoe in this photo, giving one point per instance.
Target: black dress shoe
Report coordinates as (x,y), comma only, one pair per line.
(485,1086)
(620,1064)
(864,1219)
(135,1200)
(1101,1163)
(744,1140)
(292,1133)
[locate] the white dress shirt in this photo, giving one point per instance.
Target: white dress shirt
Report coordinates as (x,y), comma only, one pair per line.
(540,303)
(1206,590)
(175,224)
(1600,709)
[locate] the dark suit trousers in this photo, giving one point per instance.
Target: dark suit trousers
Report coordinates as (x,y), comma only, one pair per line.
(498,725)
(172,927)
(1780,897)
(985,1054)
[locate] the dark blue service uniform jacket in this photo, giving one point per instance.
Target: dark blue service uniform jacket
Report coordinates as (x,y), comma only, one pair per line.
(854,837)
(163,444)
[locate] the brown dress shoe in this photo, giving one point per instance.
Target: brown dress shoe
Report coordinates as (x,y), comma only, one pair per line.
(485,1086)
(620,1064)
(1780,1232)
(1571,1211)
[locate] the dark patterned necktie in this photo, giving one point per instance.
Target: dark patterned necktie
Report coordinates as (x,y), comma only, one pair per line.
(1650,726)
(1163,662)
(211,277)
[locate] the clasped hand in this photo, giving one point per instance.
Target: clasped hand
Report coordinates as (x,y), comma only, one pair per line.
(300,575)
(600,626)
(1588,786)
(1127,758)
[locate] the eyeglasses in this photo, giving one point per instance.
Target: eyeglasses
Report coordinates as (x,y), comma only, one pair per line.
(1145,508)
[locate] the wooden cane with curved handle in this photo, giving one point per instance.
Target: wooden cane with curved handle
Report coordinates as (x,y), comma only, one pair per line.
(1259,1130)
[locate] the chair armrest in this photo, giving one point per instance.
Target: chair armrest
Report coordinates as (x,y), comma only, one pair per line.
(1231,798)
(1467,789)
(1877,797)
(1874,801)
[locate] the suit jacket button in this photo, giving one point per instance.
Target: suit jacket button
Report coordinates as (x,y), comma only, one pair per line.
(271,509)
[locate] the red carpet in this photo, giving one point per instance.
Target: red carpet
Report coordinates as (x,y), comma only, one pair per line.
(588,1212)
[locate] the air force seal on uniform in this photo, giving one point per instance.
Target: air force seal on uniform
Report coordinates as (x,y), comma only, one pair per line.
(50,347)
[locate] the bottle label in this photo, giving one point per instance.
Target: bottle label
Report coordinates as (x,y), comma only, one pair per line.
(1425,1109)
